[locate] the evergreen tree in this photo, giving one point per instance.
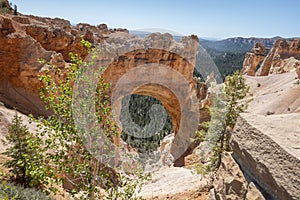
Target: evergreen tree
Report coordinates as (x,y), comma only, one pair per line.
(27,160)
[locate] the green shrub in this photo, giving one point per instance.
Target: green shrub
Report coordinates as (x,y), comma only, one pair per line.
(236,89)
(203,169)
(4,7)
(9,191)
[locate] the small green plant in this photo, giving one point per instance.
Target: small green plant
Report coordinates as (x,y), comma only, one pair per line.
(129,186)
(201,134)
(203,169)
(9,191)
(236,89)
(27,163)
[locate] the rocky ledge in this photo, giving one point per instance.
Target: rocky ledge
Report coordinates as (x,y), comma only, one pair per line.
(267,148)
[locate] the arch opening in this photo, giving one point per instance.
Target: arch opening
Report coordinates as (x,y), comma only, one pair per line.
(152,128)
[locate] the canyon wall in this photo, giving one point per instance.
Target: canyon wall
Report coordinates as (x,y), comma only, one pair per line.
(24,40)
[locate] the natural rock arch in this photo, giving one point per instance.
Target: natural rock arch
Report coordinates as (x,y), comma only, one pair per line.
(167,77)
(167,97)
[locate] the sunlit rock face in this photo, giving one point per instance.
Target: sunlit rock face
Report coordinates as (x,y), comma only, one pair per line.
(24,40)
(283,57)
(253,59)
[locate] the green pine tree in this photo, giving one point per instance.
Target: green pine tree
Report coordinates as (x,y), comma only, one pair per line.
(27,160)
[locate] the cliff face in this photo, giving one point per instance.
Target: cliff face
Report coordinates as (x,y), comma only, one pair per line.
(24,40)
(267,150)
(253,59)
(19,67)
(283,57)
(265,140)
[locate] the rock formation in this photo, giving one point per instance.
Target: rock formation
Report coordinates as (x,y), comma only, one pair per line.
(265,143)
(24,40)
(253,59)
(276,60)
(259,49)
(267,149)
(19,67)
(276,94)
(283,57)
(298,71)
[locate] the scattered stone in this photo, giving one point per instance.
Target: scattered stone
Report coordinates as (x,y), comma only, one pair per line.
(229,182)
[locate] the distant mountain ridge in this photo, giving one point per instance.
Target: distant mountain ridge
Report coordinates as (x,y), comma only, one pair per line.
(238,44)
(253,40)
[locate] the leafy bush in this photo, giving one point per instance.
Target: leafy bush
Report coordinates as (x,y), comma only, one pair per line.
(9,191)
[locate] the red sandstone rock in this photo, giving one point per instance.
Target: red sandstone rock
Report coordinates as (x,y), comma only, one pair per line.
(251,62)
(24,40)
(253,59)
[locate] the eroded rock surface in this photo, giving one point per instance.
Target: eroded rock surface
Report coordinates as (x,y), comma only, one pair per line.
(281,50)
(171,181)
(253,59)
(253,193)
(276,94)
(230,182)
(251,62)
(267,149)
(156,66)
(24,40)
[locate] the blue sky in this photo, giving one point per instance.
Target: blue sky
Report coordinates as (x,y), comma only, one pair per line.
(206,18)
